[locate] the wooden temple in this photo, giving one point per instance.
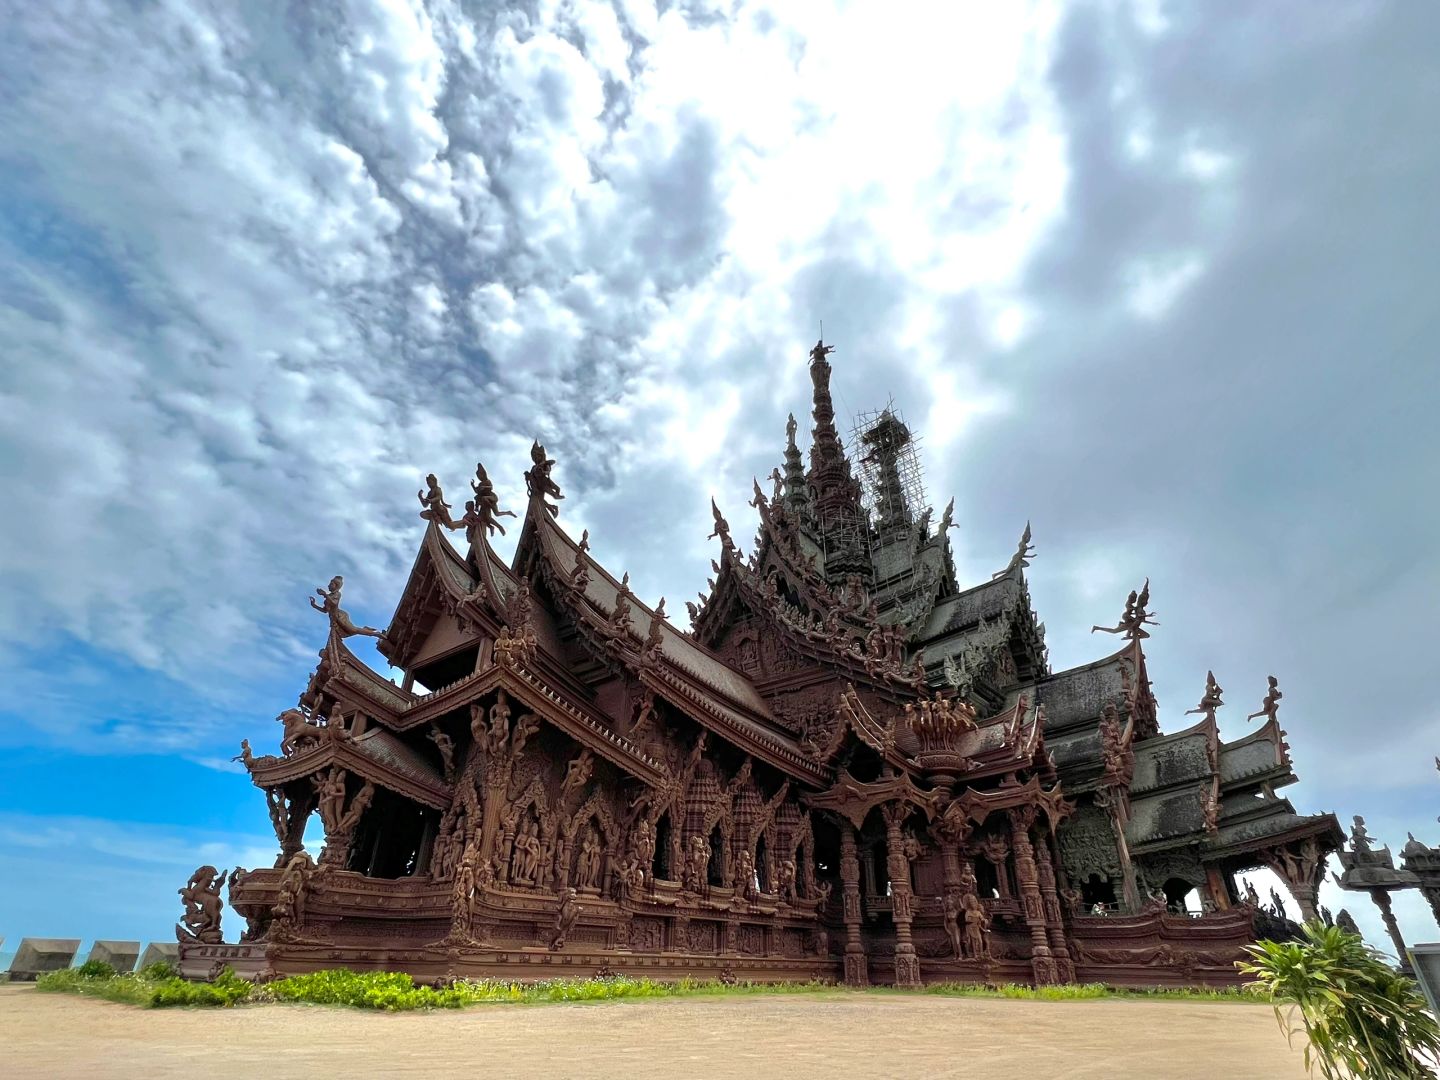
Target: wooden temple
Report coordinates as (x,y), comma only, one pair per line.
(849,767)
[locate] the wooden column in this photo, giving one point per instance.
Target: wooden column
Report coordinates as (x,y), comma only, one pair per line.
(1054,921)
(294,826)
(1382,901)
(857,970)
(1218,887)
(1027,881)
(907,964)
(1301,866)
(1114,800)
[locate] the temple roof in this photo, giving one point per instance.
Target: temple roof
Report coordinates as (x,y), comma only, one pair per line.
(680,650)
(1078,695)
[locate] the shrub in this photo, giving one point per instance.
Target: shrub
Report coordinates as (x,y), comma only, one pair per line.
(227,989)
(1359,1017)
(161,969)
(95,969)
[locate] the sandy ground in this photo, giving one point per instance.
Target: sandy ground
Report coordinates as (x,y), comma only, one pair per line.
(57,1035)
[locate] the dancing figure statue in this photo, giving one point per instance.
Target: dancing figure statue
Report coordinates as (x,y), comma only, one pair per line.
(340,622)
(1211,699)
(1271,705)
(432,499)
(538,482)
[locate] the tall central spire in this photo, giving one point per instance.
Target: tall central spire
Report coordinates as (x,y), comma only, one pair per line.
(839,515)
(825,448)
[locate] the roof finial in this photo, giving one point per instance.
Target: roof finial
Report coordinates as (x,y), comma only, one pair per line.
(538,482)
(1271,705)
(433,500)
(1021,559)
(722,527)
(1211,699)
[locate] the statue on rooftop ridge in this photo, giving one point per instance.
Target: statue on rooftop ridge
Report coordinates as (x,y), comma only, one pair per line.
(1210,701)
(1132,624)
(481,512)
(436,509)
(820,351)
(538,482)
(1021,559)
(340,622)
(722,527)
(298,732)
(1359,836)
(1271,704)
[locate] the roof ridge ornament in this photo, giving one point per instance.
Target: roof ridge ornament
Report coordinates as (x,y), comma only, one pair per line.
(340,621)
(538,482)
(481,512)
(436,509)
(1132,624)
(722,528)
(1271,705)
(1211,699)
(1023,554)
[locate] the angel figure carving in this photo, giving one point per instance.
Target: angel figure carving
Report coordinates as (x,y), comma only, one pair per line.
(587,867)
(1271,705)
(1211,699)
(538,483)
(1132,624)
(340,622)
(486,505)
(436,509)
(1021,559)
(722,527)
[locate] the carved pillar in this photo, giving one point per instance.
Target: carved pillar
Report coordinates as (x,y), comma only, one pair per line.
(857,971)
(1301,866)
(1219,888)
(1382,901)
(293,826)
(1054,923)
(1027,881)
(907,964)
(1115,800)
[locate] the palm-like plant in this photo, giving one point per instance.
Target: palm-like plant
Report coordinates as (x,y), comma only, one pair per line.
(1360,1018)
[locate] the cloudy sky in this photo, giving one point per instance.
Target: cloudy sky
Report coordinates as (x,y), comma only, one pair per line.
(1158,278)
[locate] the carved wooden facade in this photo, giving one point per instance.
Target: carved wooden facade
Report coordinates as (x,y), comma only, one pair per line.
(841,771)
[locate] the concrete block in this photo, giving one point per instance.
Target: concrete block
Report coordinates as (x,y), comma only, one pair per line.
(39,955)
(160,952)
(120,955)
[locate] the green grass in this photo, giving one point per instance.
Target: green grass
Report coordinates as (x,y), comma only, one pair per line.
(1093,991)
(160,987)
(157,985)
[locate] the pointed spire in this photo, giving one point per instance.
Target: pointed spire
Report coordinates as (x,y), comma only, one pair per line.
(836,492)
(795,499)
(825,448)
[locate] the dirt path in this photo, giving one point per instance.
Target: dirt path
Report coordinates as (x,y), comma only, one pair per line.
(752,1038)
